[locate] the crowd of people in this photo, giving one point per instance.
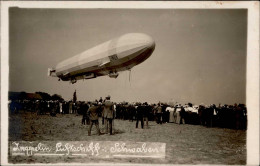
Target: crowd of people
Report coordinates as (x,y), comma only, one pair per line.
(227,116)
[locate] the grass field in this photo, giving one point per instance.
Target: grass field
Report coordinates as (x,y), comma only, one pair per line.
(185,144)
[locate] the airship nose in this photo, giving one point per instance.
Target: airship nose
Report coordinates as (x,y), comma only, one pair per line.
(133,42)
(145,39)
(150,43)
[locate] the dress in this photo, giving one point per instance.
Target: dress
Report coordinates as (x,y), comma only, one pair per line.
(171,117)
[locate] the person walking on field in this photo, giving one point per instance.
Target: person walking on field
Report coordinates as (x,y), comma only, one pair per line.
(109,114)
(93,116)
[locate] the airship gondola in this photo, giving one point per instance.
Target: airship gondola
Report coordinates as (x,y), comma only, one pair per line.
(109,58)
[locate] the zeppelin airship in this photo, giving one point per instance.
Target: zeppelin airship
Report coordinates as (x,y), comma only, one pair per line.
(109,58)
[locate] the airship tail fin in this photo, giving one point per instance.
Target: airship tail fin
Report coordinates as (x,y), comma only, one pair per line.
(51,72)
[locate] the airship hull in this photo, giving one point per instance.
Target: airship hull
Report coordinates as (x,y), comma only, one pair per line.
(109,58)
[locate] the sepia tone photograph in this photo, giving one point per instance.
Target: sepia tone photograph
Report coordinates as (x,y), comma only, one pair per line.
(127,85)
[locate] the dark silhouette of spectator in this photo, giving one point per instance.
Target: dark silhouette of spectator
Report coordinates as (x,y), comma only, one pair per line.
(85,118)
(140,116)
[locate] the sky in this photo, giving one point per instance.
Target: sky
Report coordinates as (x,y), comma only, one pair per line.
(199,57)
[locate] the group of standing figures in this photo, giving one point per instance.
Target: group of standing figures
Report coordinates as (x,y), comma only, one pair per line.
(227,116)
(91,114)
(141,112)
(145,112)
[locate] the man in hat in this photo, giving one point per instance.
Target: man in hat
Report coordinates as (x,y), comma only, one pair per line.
(109,114)
(93,116)
(140,115)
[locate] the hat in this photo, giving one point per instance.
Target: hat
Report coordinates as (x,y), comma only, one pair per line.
(108,97)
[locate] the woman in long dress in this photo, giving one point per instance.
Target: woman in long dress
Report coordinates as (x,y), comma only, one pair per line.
(171,117)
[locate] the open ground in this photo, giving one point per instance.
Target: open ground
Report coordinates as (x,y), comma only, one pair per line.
(185,144)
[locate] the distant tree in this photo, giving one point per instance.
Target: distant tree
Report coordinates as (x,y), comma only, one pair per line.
(44,95)
(57,97)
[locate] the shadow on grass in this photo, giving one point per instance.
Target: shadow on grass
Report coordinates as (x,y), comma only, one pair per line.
(117,131)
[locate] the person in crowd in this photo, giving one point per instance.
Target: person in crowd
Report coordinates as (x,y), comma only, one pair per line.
(164,113)
(60,107)
(201,112)
(239,112)
(140,115)
(100,100)
(63,107)
(182,115)
(146,113)
(42,107)
(99,109)
(167,116)
(103,117)
(93,116)
(53,109)
(119,111)
(48,104)
(211,115)
(109,114)
(12,107)
(159,113)
(132,112)
(70,107)
(123,111)
(85,118)
(74,108)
